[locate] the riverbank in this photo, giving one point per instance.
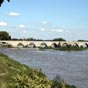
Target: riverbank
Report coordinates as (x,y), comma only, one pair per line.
(16,75)
(71,48)
(65,48)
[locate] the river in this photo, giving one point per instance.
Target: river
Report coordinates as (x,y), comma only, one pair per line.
(71,66)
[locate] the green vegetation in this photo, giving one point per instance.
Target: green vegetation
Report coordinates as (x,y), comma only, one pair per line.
(4,35)
(64,48)
(58,82)
(71,48)
(1,1)
(16,75)
(59,39)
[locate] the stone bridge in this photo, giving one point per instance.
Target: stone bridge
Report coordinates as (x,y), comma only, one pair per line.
(44,43)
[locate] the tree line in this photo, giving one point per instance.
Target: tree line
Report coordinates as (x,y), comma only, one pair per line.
(6,36)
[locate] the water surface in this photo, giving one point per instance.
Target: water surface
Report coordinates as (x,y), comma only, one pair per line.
(72,66)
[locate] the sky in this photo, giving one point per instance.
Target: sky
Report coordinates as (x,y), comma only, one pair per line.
(45,19)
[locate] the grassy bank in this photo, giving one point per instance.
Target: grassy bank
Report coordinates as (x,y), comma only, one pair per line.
(67,48)
(16,75)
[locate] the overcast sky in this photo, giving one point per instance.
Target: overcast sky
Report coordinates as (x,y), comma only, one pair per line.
(45,19)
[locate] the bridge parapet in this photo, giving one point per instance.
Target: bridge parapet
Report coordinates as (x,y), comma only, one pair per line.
(48,43)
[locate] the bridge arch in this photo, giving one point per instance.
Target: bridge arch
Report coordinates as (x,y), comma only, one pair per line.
(64,45)
(31,45)
(54,45)
(75,45)
(85,45)
(20,45)
(43,45)
(3,42)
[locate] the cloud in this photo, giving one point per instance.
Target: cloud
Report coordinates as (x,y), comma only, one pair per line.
(57,30)
(13,14)
(21,26)
(2,23)
(43,29)
(44,22)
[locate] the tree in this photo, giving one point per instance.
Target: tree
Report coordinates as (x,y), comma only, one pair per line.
(59,39)
(1,1)
(4,35)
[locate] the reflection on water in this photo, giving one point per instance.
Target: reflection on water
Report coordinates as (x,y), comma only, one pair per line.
(72,66)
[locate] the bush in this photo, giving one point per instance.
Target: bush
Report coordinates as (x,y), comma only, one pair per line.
(58,82)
